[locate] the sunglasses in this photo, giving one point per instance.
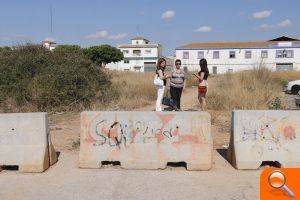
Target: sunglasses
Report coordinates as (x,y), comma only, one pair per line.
(177,63)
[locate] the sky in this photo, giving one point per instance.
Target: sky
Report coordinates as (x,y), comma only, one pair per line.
(171,23)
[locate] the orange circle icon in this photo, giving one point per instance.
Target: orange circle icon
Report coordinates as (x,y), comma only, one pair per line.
(277,179)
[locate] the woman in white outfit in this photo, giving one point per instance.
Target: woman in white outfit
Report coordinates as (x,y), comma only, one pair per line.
(160,71)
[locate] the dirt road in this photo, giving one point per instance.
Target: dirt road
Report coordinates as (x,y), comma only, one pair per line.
(66,181)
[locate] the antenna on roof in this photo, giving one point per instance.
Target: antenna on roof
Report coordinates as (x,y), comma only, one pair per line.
(51,19)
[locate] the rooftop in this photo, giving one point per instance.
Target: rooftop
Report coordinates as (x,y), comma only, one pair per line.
(48,41)
(139,38)
(238,44)
(138,46)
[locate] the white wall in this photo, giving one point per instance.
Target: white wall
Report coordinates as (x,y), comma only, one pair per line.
(154,52)
(135,60)
(224,63)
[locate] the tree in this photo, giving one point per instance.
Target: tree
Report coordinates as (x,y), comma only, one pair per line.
(6,48)
(67,49)
(103,54)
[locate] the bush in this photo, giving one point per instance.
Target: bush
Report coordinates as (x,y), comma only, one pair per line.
(62,79)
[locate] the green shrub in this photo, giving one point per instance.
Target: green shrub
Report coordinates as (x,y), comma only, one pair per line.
(284,83)
(62,79)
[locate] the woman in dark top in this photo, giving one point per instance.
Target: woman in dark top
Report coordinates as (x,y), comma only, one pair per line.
(202,86)
(160,71)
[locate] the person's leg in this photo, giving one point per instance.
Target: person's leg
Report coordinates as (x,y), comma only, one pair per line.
(168,88)
(160,93)
(179,93)
(200,101)
(204,104)
(174,97)
(172,92)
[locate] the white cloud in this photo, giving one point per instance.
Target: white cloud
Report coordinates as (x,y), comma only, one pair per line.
(168,15)
(284,24)
(118,36)
(50,39)
(262,14)
(97,35)
(204,29)
(294,35)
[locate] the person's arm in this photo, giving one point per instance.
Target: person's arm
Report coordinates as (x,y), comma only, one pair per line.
(201,77)
(161,76)
(184,82)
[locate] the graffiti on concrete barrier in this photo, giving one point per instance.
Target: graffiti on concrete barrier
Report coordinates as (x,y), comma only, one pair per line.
(119,134)
(269,130)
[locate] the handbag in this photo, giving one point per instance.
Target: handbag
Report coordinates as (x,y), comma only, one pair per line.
(157,81)
(168,101)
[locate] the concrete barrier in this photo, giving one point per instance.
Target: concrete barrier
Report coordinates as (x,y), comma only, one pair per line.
(25,142)
(146,140)
(265,135)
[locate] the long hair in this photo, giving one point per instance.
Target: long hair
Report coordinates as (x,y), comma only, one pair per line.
(159,62)
(203,65)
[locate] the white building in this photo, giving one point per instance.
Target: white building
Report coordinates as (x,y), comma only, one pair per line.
(279,54)
(139,56)
(49,45)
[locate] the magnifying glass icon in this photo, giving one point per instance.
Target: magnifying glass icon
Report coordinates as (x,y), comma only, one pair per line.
(277,180)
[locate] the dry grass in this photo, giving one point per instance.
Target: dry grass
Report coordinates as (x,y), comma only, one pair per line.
(191,80)
(245,90)
(285,77)
(10,105)
(131,90)
(257,89)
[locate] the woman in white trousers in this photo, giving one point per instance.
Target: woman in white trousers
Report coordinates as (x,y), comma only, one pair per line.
(160,71)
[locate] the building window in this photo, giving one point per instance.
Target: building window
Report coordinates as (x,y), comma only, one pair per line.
(264,54)
(126,51)
(137,68)
(148,51)
(284,54)
(137,52)
(185,55)
(200,54)
(248,54)
(215,70)
(216,55)
(126,61)
(231,54)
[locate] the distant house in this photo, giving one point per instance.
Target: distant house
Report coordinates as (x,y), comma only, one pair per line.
(140,56)
(49,44)
(278,54)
